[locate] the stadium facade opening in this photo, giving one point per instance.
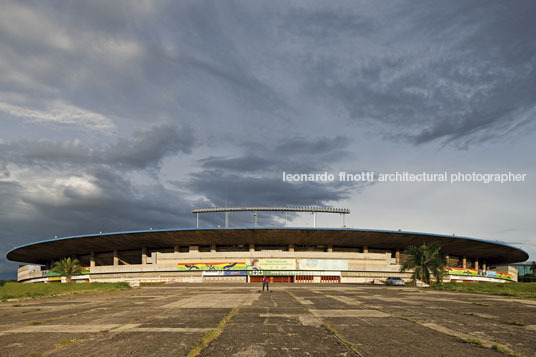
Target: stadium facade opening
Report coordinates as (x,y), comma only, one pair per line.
(245,254)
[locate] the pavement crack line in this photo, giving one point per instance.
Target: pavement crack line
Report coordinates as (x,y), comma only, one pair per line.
(213,334)
(326,326)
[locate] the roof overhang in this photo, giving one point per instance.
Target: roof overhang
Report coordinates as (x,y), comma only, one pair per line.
(45,251)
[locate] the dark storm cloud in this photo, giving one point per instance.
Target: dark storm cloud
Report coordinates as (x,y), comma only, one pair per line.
(242,164)
(256,178)
(119,205)
(133,61)
(311,146)
(266,87)
(75,189)
(292,153)
(448,72)
(236,189)
(424,72)
(142,150)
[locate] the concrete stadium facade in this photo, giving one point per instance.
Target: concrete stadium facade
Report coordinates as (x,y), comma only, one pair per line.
(294,255)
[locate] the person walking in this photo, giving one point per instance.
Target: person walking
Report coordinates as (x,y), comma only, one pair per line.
(266,282)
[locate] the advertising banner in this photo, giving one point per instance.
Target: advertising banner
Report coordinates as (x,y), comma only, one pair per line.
(271,264)
(293,272)
(461,271)
(322,264)
(211,266)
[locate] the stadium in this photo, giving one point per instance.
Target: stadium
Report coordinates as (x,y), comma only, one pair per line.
(246,254)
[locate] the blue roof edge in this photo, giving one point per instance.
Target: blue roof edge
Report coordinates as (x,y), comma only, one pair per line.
(244,228)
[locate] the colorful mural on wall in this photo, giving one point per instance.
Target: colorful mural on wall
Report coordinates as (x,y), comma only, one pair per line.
(498,275)
(461,271)
(322,264)
(211,266)
(474,272)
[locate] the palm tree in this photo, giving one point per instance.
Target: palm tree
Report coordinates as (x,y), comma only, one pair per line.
(425,261)
(67,267)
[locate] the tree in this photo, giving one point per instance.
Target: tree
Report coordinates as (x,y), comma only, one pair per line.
(425,261)
(67,267)
(533,268)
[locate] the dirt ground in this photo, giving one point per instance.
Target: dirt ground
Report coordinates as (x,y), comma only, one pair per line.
(291,320)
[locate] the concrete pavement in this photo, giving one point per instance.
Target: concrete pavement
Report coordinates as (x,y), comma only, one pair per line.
(292,320)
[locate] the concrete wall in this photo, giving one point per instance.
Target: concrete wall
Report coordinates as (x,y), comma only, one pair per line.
(26,272)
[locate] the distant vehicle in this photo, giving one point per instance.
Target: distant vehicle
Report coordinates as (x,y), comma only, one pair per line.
(393,280)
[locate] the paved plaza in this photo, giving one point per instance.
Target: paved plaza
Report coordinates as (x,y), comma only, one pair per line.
(291,320)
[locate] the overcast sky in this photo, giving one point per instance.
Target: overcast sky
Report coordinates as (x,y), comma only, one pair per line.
(127,115)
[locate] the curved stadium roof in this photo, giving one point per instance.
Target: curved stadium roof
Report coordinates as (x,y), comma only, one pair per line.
(44,251)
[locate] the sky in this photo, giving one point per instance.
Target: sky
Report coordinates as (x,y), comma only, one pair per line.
(126,115)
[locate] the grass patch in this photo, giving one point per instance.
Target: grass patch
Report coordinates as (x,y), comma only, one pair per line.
(481,304)
(515,323)
(66,343)
(212,334)
(474,341)
(33,323)
(407,319)
(502,349)
(469,313)
(526,290)
(14,290)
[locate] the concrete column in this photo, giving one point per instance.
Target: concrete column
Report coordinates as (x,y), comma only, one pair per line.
(193,249)
(330,248)
(144,255)
(484,266)
(251,247)
(116,257)
(92,260)
(447,258)
(476,263)
(365,249)
(291,247)
(464,263)
(213,248)
(397,256)
(176,249)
